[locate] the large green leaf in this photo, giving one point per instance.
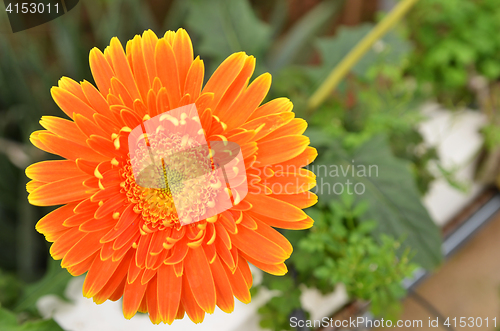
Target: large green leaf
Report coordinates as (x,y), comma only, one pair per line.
(226,27)
(392,48)
(295,42)
(54,282)
(8,322)
(387,185)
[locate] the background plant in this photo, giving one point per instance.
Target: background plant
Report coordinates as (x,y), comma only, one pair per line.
(371,118)
(339,249)
(455,40)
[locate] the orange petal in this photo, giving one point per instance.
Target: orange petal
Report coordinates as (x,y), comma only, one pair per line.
(247,102)
(301,160)
(148,275)
(70,104)
(107,193)
(223,235)
(273,269)
(226,219)
(82,267)
(224,254)
(139,66)
(122,68)
(275,208)
(268,124)
(274,106)
(179,252)
(194,78)
(116,203)
(35,140)
(169,293)
(99,274)
(297,126)
(63,128)
(142,249)
(101,71)
(115,281)
(65,242)
(143,307)
(296,225)
(123,239)
(97,101)
(195,313)
(272,151)
(159,237)
(284,183)
(259,247)
(73,87)
(237,87)
(60,192)
(107,251)
(181,312)
(88,245)
(121,92)
(33,185)
(78,218)
(51,171)
(133,272)
(166,67)
(249,149)
(53,221)
(183,50)
(149,40)
(88,126)
(94,225)
(238,285)
(107,124)
(300,200)
(198,273)
(126,247)
(224,294)
(274,236)
(169,37)
(152,301)
(224,76)
(210,252)
(69,149)
(247,221)
(118,293)
(132,297)
(245,271)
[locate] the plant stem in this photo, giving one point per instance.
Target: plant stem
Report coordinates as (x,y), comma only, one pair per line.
(339,72)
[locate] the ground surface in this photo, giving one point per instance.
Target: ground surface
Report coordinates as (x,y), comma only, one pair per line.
(467,285)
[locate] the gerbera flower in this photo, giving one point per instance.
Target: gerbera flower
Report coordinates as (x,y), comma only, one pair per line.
(126,236)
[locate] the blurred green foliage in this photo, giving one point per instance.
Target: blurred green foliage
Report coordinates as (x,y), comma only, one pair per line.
(339,249)
(455,40)
(388,190)
(372,118)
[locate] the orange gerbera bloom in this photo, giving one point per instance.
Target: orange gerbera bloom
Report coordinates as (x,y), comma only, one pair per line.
(122,234)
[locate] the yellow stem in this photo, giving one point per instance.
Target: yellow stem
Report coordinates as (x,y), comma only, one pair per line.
(339,72)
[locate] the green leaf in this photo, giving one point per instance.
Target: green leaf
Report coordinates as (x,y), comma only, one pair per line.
(8,322)
(387,185)
(8,180)
(490,68)
(54,282)
(10,289)
(226,27)
(392,48)
(286,50)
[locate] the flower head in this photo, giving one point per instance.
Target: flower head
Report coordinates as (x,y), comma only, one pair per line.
(128,237)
